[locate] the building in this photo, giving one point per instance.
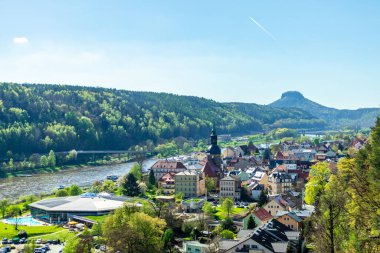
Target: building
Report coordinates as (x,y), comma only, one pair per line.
(289,219)
(213,151)
(229,152)
(275,206)
(257,190)
(281,182)
(272,237)
(162,167)
(167,183)
(197,247)
(60,210)
(260,177)
(230,187)
(260,215)
(190,183)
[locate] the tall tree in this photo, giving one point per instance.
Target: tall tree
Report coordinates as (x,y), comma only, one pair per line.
(51,159)
(318,177)
(130,186)
(4,204)
(152,179)
(75,190)
(227,205)
(251,224)
(136,171)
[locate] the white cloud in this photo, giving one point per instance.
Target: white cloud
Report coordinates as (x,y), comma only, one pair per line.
(20,40)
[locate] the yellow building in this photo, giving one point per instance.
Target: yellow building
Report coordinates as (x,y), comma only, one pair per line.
(190,183)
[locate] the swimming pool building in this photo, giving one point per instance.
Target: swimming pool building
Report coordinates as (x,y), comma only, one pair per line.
(58,210)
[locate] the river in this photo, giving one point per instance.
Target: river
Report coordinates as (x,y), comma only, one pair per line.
(15,187)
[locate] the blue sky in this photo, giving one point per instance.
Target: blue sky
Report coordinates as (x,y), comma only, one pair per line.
(328,50)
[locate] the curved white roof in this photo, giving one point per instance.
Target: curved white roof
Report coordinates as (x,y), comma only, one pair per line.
(78,204)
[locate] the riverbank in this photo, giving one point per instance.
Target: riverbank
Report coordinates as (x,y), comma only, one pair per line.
(43,183)
(32,171)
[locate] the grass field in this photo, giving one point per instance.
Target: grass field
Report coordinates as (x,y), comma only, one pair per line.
(8,231)
(221,215)
(99,219)
(63,235)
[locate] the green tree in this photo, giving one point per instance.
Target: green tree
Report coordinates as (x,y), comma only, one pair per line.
(4,204)
(11,164)
(329,220)
(51,159)
(318,178)
(136,171)
(227,206)
(228,224)
(251,224)
(227,234)
(152,179)
(262,199)
(130,231)
(168,237)
(208,208)
(44,161)
(61,193)
(130,186)
(108,186)
(75,190)
(209,184)
(72,245)
(178,197)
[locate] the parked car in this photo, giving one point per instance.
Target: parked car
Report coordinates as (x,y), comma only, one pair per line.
(10,241)
(4,241)
(39,241)
(40,250)
(46,247)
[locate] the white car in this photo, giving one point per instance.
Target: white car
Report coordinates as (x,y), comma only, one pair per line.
(39,241)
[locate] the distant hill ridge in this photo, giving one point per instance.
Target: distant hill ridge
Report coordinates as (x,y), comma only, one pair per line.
(38,118)
(364,117)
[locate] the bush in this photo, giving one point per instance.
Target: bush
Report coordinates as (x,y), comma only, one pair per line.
(22,234)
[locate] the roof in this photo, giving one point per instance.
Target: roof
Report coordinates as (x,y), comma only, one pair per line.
(244,233)
(166,164)
(186,173)
(230,178)
(210,169)
(262,214)
(78,204)
(290,214)
(266,239)
(168,177)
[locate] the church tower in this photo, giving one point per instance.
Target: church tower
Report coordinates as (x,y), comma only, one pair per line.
(214,151)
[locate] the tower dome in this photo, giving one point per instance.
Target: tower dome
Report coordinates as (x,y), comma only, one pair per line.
(214,149)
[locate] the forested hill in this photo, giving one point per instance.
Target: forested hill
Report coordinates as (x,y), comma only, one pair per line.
(38,118)
(336,118)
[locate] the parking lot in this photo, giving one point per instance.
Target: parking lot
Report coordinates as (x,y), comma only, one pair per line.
(20,247)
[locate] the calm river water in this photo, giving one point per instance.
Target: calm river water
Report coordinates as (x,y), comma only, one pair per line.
(45,183)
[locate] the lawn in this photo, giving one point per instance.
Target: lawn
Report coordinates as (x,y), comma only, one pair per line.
(8,231)
(63,235)
(98,219)
(145,202)
(221,214)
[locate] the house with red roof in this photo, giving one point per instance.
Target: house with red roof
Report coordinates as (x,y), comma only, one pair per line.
(162,167)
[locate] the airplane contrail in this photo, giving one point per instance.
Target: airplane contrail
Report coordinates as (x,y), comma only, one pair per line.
(262,28)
